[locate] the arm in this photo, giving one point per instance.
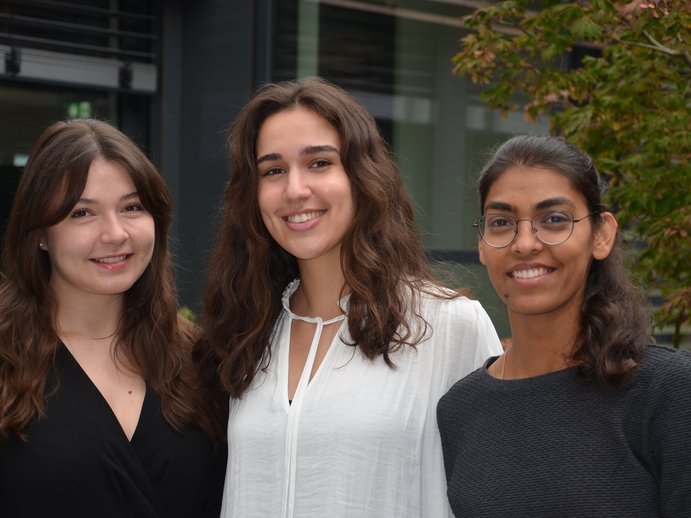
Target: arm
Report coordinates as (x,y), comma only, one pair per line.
(668,437)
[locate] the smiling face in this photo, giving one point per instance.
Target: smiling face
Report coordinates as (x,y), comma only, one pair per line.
(304,194)
(533,278)
(106,242)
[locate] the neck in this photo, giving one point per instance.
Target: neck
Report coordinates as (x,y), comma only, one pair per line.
(88,317)
(538,346)
(319,292)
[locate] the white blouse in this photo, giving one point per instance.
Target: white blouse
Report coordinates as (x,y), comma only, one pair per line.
(360,439)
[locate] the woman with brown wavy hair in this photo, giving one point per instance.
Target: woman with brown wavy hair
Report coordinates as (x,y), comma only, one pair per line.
(580,416)
(100,408)
(323,321)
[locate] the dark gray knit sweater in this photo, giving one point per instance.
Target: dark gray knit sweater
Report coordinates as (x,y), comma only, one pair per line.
(550,446)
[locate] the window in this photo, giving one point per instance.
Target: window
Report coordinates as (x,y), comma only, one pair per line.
(397,62)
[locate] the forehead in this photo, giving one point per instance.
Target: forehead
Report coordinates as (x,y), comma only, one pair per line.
(106,176)
(297,126)
(524,188)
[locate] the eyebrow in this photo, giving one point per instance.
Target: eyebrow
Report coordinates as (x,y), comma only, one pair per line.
(553,202)
(90,201)
(308,150)
(544,204)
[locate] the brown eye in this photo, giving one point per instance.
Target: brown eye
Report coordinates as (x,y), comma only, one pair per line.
(79,213)
(273,171)
(133,207)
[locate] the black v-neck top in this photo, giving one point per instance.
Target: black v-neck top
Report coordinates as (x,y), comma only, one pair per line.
(79,463)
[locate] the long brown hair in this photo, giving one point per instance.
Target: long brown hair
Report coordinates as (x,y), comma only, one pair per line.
(615,321)
(151,337)
(381,255)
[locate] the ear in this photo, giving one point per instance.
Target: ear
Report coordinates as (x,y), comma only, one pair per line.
(605,236)
(481,251)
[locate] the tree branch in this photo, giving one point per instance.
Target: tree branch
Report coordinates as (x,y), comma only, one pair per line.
(658,48)
(667,50)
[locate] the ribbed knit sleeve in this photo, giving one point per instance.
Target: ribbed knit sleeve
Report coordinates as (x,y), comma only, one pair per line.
(667,433)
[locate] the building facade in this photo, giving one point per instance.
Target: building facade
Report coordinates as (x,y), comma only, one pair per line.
(172,74)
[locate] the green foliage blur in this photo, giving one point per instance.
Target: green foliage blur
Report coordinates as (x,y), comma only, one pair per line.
(614,78)
(188,314)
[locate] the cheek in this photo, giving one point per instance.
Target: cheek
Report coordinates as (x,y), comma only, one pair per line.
(351,207)
(339,187)
(265,214)
(69,242)
(349,196)
(266,207)
(495,276)
(481,252)
(585,268)
(490,257)
(53,236)
(148,232)
(264,201)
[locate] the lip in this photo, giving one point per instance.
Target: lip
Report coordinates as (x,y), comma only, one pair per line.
(304,219)
(112,262)
(529,272)
(303,216)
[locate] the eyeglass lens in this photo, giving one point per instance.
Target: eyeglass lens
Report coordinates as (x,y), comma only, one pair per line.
(550,227)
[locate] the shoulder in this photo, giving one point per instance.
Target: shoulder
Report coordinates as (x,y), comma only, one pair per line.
(465,392)
(661,390)
(661,407)
(665,370)
(470,383)
(458,319)
(448,303)
(661,362)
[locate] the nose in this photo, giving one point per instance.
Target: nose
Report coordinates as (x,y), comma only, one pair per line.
(298,186)
(526,241)
(113,230)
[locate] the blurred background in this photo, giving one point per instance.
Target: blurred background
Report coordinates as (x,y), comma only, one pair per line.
(173,74)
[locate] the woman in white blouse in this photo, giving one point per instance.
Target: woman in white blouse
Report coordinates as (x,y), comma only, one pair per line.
(323,322)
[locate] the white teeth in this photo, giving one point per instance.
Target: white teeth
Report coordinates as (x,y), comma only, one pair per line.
(301,218)
(529,274)
(111,260)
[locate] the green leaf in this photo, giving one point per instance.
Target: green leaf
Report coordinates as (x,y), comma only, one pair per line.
(628,106)
(584,28)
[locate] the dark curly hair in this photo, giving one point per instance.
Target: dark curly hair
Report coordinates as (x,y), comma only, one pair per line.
(382,259)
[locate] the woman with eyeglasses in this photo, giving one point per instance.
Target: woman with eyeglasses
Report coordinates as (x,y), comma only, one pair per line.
(580,416)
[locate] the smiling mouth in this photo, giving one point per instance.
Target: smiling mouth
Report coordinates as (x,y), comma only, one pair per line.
(111,260)
(302,218)
(532,273)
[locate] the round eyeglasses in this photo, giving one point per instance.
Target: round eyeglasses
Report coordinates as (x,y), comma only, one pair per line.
(551,227)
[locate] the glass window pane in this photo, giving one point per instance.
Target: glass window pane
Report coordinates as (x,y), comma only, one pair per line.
(397,62)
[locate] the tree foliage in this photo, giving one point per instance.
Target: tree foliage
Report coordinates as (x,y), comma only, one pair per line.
(614,79)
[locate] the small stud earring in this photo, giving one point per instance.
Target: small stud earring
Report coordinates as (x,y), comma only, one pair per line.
(43,246)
